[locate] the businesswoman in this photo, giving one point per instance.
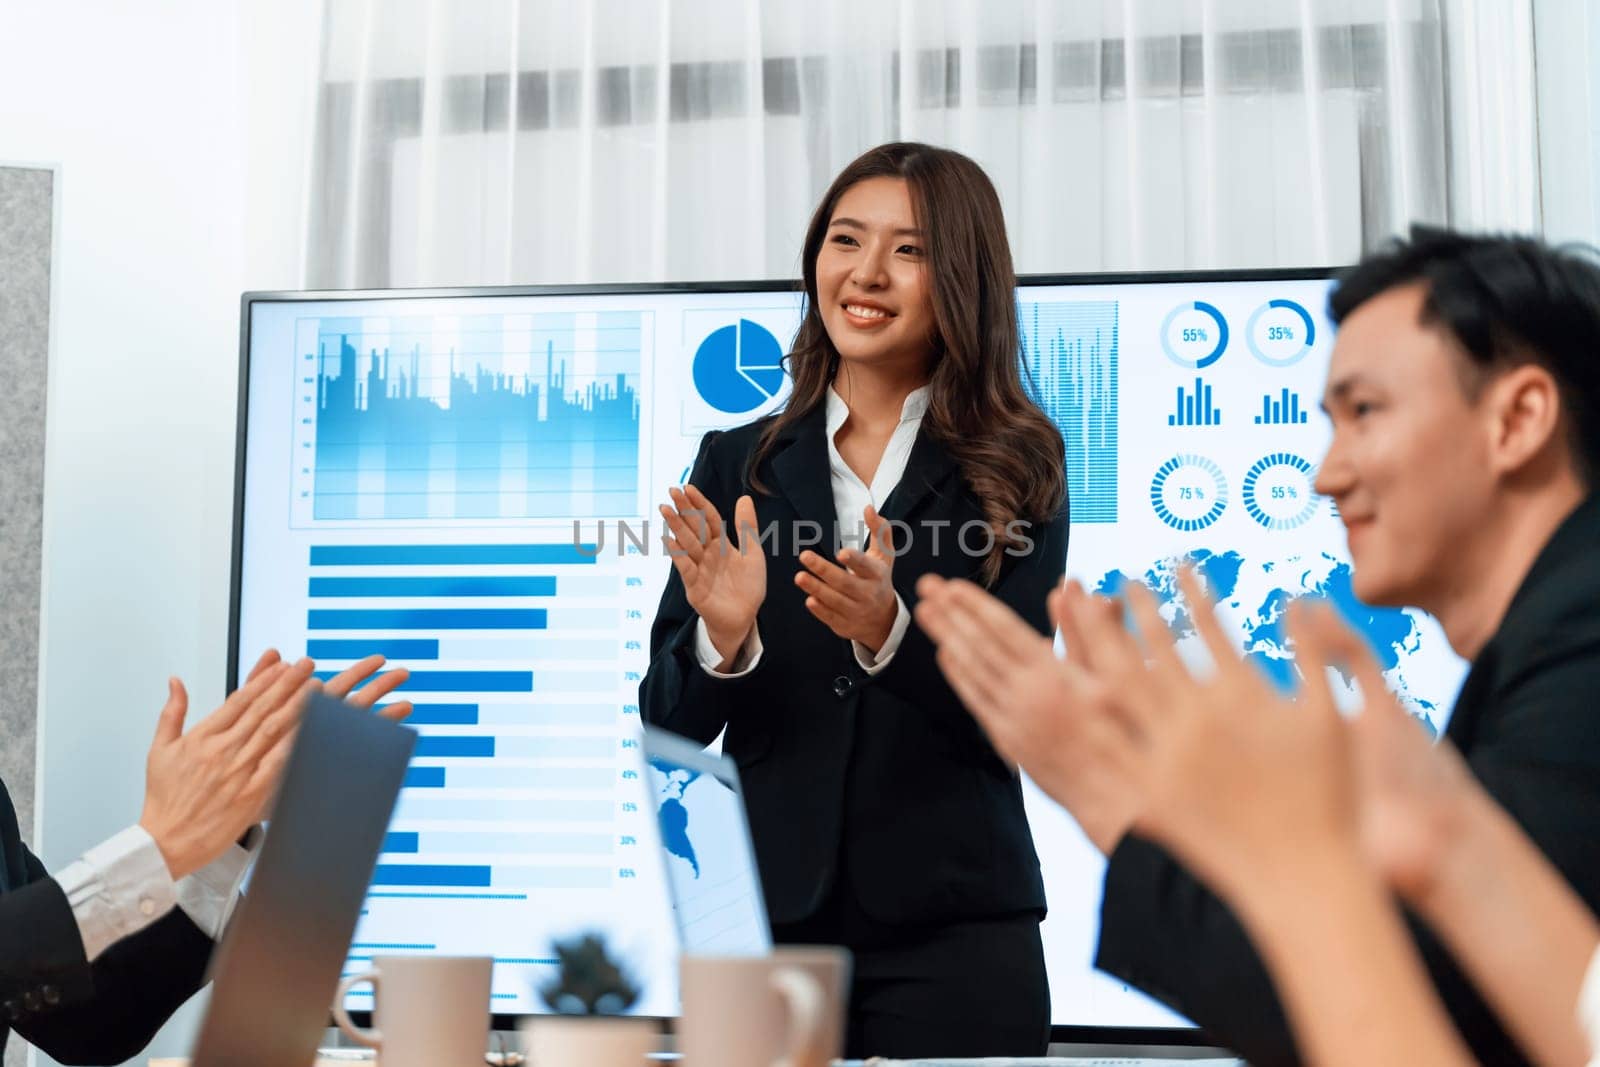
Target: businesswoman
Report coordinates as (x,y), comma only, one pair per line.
(883,820)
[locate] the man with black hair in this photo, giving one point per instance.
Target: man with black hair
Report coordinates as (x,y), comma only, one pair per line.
(1464,392)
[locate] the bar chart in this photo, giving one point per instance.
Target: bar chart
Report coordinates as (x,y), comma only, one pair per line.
(1196,408)
(1282,410)
(482,417)
(1069,350)
(522,793)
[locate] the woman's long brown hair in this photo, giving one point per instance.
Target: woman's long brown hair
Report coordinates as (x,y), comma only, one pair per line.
(1008,451)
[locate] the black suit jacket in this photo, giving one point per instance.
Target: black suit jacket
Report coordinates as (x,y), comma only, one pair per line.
(1526,721)
(890,769)
(77,1011)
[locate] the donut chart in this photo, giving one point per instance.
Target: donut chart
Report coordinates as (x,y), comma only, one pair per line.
(1189,492)
(1280,333)
(1278,493)
(1194,335)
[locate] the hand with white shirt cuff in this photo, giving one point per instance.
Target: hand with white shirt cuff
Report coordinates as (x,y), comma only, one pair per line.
(122,886)
(749,654)
(855,598)
(725,583)
(715,664)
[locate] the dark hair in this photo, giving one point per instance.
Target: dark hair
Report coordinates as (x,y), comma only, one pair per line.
(1507,301)
(1008,451)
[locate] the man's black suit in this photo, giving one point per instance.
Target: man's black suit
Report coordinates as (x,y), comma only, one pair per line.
(1528,725)
(878,789)
(77,1011)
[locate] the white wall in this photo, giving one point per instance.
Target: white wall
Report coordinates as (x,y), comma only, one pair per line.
(174,126)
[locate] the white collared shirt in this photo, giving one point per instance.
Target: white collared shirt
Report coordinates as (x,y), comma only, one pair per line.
(121,886)
(1589,1009)
(850,498)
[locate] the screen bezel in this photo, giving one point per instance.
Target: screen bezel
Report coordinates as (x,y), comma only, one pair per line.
(1069,1034)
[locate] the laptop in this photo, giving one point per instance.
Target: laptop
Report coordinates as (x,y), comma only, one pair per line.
(276,971)
(705,843)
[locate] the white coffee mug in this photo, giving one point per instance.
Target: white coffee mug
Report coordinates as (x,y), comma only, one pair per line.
(431,1011)
(784,1010)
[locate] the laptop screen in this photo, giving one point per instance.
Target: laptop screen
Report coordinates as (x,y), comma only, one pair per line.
(275,974)
(705,844)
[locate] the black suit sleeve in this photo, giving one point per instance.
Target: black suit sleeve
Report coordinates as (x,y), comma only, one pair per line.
(1536,753)
(102,1012)
(39,943)
(1025,581)
(677,693)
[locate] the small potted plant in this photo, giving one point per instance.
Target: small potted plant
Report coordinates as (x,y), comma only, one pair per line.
(589,995)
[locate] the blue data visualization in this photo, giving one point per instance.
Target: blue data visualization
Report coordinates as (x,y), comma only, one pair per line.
(466,482)
(1196,408)
(482,417)
(1069,350)
(739,367)
(1281,410)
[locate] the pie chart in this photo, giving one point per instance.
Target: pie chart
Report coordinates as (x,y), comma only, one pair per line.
(738,368)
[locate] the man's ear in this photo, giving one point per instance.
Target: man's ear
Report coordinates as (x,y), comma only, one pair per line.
(1524,408)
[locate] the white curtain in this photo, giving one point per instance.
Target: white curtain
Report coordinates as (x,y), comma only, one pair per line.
(522,141)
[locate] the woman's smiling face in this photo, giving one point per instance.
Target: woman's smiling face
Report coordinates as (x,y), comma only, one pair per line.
(873,288)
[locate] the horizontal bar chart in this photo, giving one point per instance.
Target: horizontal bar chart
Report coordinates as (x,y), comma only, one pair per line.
(360,648)
(442,715)
(472,747)
(574,779)
(425,804)
(469,682)
(427,619)
(432,587)
(447,896)
(400,842)
(597,714)
(421,874)
(469,842)
(451,555)
(577,779)
(394,946)
(424,778)
(454,681)
(483,876)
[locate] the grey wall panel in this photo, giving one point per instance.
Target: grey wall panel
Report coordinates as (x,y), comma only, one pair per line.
(26,207)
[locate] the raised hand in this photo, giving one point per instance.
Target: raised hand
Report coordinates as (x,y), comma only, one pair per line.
(340,687)
(1237,776)
(724,583)
(204,788)
(342,684)
(1039,712)
(1416,796)
(855,598)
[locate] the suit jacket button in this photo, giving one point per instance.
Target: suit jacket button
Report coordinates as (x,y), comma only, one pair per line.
(30,1000)
(13,1010)
(841,686)
(52,995)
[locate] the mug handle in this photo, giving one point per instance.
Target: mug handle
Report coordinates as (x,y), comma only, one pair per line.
(369,1038)
(803,995)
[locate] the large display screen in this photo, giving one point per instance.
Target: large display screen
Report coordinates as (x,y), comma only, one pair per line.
(466,482)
